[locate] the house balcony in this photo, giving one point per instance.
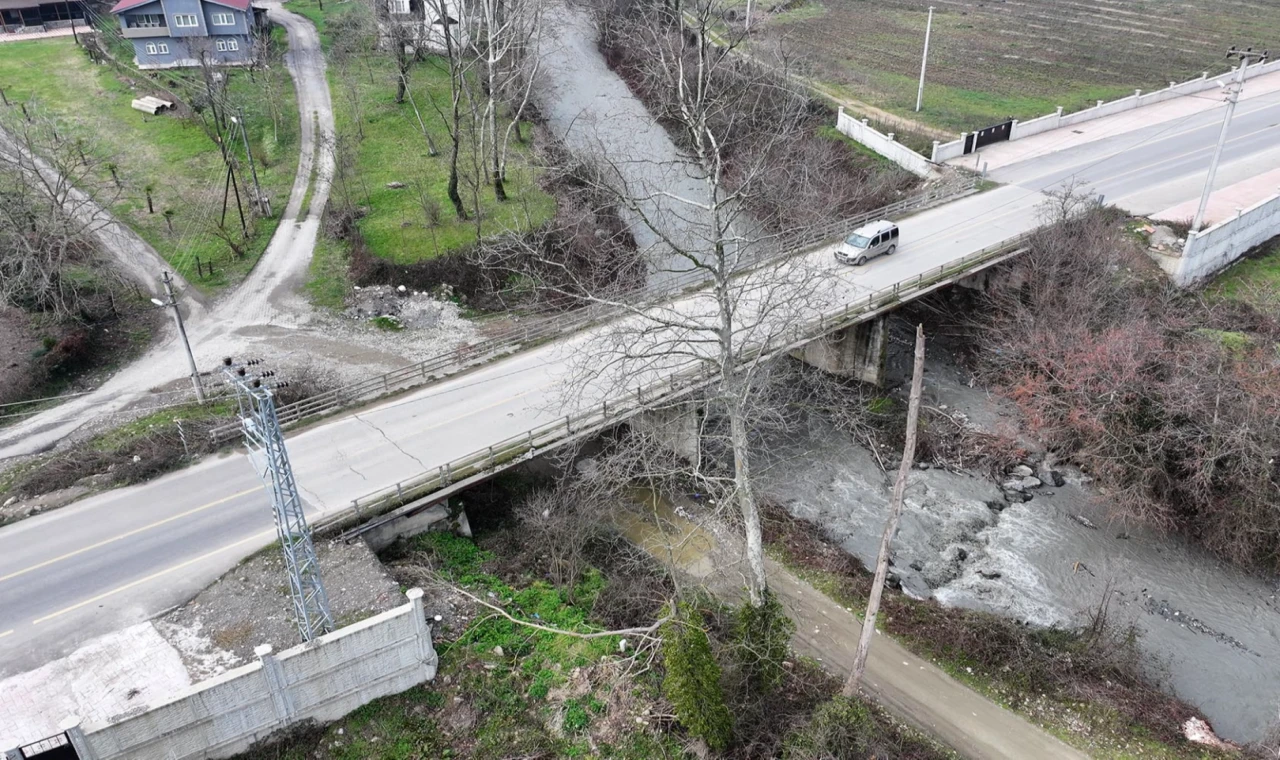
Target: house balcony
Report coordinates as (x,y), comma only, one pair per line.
(135,32)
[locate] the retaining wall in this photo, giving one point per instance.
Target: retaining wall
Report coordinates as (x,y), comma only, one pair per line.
(1021,129)
(1214,249)
(322,681)
(883,144)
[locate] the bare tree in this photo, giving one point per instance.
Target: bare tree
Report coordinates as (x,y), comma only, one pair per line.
(450,15)
(48,213)
(741,316)
(508,45)
(891,525)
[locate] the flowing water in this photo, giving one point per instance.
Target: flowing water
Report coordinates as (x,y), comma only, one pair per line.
(1211,632)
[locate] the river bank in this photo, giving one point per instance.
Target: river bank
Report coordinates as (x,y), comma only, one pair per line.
(1209,633)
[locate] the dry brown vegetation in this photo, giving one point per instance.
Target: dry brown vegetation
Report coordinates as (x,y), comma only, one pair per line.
(791,171)
(1171,401)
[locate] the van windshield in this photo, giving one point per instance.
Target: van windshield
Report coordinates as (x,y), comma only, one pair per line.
(858,241)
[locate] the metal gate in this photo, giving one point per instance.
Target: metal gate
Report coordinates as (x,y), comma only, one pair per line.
(993,134)
(57,747)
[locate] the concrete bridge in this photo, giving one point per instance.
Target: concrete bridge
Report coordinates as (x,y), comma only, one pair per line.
(122,556)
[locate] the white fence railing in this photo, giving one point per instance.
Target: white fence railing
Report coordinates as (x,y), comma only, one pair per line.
(883,144)
(1021,129)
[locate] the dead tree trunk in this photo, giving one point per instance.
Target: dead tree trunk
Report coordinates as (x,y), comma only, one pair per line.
(891,525)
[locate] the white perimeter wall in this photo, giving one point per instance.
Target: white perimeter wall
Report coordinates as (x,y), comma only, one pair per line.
(1021,129)
(885,145)
(323,681)
(1215,248)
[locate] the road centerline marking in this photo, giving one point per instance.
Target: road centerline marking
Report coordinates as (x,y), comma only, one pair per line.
(127,534)
(255,537)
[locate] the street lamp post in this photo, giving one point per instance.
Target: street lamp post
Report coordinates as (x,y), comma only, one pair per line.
(182,332)
(1246,57)
(924,61)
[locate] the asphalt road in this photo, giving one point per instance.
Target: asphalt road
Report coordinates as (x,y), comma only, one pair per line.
(1153,168)
(120,557)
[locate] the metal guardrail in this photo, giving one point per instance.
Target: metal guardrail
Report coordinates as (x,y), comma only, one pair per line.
(519,448)
(537,327)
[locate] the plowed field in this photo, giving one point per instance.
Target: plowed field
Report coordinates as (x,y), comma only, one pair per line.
(993,58)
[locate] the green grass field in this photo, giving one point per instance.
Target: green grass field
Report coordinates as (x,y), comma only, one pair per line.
(389,147)
(394,150)
(1255,281)
(172,155)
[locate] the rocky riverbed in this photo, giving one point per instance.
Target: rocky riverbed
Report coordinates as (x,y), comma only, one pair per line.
(1037,545)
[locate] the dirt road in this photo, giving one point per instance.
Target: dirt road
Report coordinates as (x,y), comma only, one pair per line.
(263,312)
(916,690)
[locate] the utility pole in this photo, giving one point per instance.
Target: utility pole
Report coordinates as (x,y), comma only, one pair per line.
(182,332)
(265,441)
(746,26)
(264,204)
(1246,57)
(891,525)
(928,31)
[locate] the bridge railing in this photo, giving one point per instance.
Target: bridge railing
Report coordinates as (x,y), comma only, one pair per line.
(526,445)
(536,328)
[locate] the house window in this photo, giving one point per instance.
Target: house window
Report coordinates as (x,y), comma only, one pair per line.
(146,21)
(224,19)
(232,45)
(151,48)
(399,6)
(164,48)
(185,20)
(222,46)
(225,46)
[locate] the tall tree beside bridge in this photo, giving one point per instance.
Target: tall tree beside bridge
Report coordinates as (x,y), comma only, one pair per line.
(704,235)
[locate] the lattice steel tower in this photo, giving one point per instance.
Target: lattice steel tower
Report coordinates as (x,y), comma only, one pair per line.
(267,452)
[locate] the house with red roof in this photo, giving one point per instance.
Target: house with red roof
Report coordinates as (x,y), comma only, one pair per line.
(169,34)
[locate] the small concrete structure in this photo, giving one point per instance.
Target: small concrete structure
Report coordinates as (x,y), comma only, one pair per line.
(1211,250)
(678,428)
(857,351)
(322,680)
(439,516)
(151,104)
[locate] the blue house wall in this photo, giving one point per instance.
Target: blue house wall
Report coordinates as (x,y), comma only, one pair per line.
(226,44)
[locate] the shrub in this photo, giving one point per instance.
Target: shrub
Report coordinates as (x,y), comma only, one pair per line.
(692,680)
(842,729)
(763,640)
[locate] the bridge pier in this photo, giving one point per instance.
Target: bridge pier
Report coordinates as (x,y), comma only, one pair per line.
(858,351)
(676,428)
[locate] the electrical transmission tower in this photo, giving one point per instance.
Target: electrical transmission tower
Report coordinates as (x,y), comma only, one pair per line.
(267,452)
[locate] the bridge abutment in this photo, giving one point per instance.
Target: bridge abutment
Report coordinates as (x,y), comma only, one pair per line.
(857,351)
(676,428)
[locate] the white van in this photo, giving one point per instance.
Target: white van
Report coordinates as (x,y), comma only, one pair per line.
(867,242)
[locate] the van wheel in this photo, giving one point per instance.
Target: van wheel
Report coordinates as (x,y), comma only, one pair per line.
(861,260)
(889,252)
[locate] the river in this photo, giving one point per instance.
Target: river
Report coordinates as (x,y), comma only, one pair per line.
(661,191)
(1210,633)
